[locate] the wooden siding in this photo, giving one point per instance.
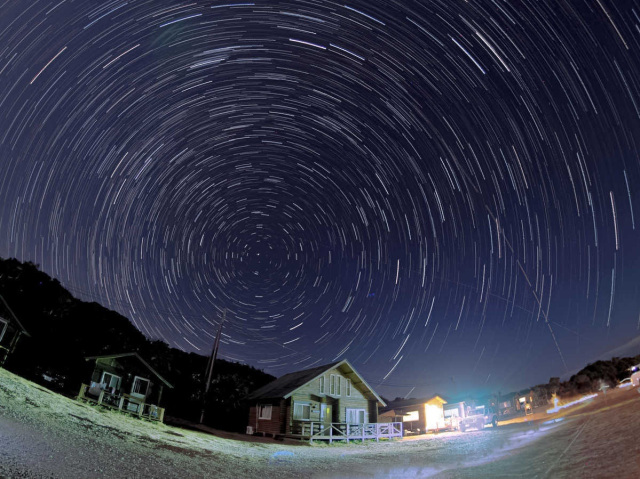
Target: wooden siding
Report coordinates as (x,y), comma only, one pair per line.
(310,394)
(273,426)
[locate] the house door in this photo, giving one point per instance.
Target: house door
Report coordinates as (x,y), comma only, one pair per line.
(325,414)
(356,416)
(140,388)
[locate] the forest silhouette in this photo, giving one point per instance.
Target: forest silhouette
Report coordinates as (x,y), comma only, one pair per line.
(65,330)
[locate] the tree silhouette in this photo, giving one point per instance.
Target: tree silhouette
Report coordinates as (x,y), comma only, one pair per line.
(65,330)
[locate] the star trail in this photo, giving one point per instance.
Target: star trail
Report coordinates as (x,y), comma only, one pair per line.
(442,192)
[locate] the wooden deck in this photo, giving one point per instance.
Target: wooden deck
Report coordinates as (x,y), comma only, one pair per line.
(317,431)
(122,402)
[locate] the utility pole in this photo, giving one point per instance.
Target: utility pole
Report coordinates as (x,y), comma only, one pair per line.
(212,360)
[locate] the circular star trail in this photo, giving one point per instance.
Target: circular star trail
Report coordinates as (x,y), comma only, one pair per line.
(435,190)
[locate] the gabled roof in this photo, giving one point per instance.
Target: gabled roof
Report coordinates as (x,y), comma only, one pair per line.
(285,386)
(127,355)
(13,317)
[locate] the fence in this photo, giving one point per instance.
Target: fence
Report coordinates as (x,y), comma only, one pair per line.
(317,431)
(121,402)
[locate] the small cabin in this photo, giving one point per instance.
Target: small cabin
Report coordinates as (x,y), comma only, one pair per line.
(11,330)
(126,382)
(419,416)
(329,402)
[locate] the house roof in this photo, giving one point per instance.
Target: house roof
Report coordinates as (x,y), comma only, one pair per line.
(285,386)
(126,355)
(390,413)
(406,403)
(13,316)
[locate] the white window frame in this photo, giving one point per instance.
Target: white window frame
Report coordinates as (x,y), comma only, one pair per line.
(133,385)
(264,411)
(300,406)
(322,384)
(109,385)
(357,412)
(348,388)
(3,329)
(335,385)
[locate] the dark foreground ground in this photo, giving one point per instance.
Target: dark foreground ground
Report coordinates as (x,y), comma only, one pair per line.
(45,435)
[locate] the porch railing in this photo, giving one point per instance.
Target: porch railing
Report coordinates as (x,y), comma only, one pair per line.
(318,431)
(122,402)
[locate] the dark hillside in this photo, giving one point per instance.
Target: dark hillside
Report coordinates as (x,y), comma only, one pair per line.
(64,330)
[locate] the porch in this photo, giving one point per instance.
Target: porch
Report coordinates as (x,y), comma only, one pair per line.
(340,431)
(121,402)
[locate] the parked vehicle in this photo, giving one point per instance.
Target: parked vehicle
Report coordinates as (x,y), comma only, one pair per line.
(478,417)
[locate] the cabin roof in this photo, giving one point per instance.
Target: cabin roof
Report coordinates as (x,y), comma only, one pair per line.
(285,386)
(405,403)
(13,316)
(127,355)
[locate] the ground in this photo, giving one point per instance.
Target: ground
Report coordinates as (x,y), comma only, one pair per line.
(43,434)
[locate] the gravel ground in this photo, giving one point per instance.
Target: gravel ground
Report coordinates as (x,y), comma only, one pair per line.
(43,434)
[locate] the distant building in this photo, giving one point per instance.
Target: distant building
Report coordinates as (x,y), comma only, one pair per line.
(635,376)
(11,330)
(330,399)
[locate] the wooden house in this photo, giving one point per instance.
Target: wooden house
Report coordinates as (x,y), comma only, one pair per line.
(331,402)
(11,330)
(125,382)
(419,416)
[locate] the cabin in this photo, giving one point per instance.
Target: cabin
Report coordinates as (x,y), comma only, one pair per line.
(419,416)
(517,403)
(11,330)
(125,382)
(330,402)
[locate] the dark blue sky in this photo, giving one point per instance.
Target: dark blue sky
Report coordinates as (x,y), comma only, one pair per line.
(445,193)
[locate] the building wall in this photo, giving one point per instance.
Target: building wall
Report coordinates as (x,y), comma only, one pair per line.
(373,411)
(273,426)
(312,394)
(434,417)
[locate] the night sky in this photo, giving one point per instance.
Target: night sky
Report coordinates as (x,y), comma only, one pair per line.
(444,192)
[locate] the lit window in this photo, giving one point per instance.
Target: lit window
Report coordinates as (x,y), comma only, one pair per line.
(301,411)
(264,411)
(411,416)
